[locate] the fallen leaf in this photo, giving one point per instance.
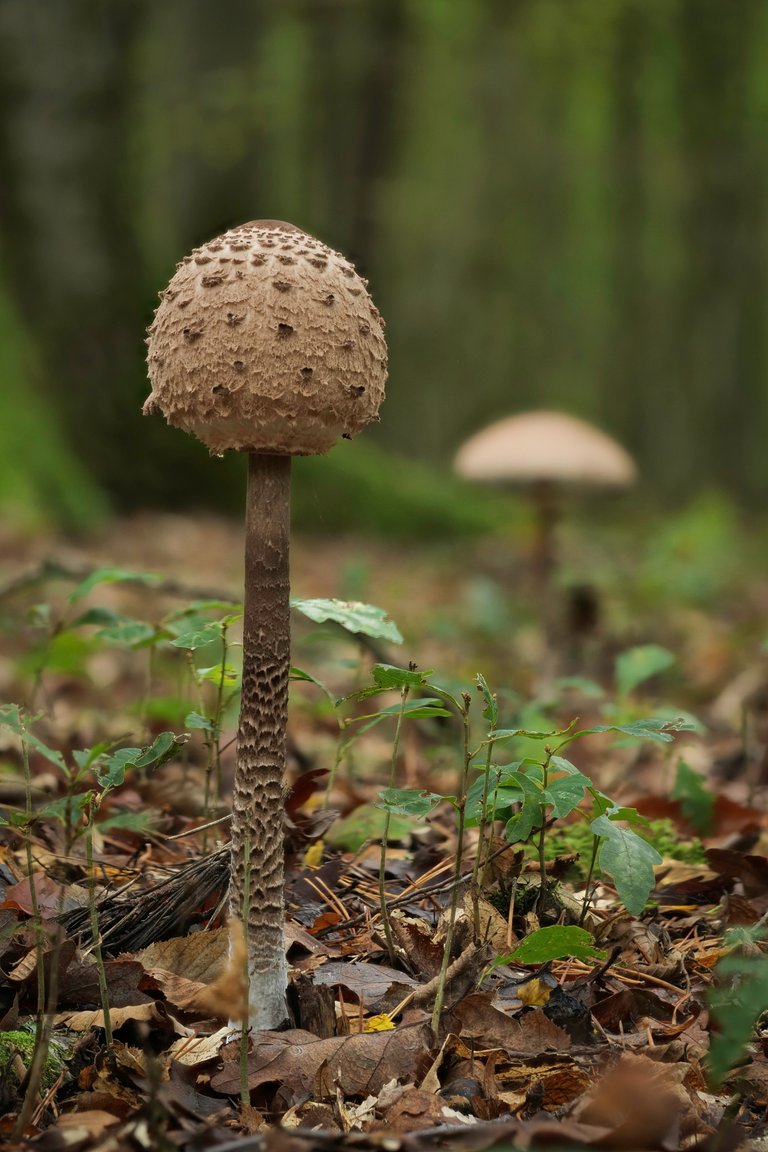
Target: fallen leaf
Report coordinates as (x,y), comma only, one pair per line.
(360,1065)
(201,956)
(418,1109)
(527,1032)
(369,982)
(194,1050)
(152,1013)
(91,1123)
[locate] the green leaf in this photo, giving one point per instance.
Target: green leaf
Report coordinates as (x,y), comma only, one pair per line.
(387,676)
(352,615)
(218,673)
(409,801)
(736,1005)
(554,943)
(99,617)
(661,730)
(629,860)
(195,720)
(419,709)
(560,764)
(366,823)
(18,819)
(110,771)
(499,802)
(639,664)
(197,607)
(66,810)
(165,745)
(502,734)
(133,633)
(566,793)
(11,719)
(302,676)
(111,576)
(604,806)
(85,757)
(490,705)
(200,637)
(520,826)
(696,801)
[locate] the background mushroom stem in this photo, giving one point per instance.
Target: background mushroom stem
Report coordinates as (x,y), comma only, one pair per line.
(259,785)
(546,507)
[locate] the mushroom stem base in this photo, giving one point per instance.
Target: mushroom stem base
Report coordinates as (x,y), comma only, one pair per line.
(259,785)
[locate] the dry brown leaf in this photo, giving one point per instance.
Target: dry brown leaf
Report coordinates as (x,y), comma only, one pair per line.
(493,926)
(369,982)
(360,1065)
(527,1032)
(182,995)
(417,1109)
(295,934)
(86,1124)
(80,986)
(151,1013)
(415,939)
(642,1102)
(194,1050)
(223,998)
(201,956)
(557,1080)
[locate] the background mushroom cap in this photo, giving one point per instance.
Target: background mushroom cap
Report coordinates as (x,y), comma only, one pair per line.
(545,446)
(266,340)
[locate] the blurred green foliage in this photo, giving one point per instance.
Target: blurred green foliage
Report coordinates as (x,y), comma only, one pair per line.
(558,203)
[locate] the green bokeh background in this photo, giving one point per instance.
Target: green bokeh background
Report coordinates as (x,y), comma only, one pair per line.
(557,203)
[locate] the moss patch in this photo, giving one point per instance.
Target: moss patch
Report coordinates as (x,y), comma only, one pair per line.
(21,1043)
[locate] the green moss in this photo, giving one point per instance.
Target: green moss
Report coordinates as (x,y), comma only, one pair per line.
(21,1043)
(662,834)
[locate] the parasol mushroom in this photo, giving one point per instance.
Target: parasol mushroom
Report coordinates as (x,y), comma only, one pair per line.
(267,342)
(545,451)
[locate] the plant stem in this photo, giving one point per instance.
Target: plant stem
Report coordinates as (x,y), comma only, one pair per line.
(96,934)
(213,737)
(590,873)
(481,842)
(461,804)
(383,859)
(42,1029)
(542,837)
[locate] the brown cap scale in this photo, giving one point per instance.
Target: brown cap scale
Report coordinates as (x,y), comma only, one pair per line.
(267,342)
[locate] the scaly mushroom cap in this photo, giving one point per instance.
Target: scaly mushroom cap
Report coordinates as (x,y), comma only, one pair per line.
(545,447)
(267,341)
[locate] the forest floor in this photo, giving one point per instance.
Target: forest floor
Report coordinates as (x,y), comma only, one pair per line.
(568,821)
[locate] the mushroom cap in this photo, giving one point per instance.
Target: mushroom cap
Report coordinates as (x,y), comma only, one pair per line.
(543,446)
(266,340)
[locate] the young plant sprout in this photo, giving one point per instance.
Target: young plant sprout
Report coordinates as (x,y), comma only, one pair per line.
(267,342)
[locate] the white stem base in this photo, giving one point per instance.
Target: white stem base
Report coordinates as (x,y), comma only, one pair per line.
(266,997)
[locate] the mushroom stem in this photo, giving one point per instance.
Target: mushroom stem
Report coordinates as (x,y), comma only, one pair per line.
(544,496)
(259,785)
